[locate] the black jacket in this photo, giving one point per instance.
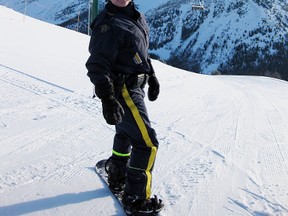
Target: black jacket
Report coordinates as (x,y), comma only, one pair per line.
(118,46)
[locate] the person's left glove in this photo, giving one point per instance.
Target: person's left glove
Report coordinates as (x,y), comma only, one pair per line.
(154,87)
(112,110)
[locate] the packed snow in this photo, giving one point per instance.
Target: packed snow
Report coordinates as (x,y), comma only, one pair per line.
(223,139)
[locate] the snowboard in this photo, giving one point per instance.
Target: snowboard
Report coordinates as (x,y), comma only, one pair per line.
(101,172)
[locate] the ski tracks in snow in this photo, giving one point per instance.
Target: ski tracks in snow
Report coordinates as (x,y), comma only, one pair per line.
(232,158)
(224,151)
(50,142)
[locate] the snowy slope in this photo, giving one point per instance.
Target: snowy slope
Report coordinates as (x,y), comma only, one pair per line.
(53,11)
(59,11)
(223,139)
(231,36)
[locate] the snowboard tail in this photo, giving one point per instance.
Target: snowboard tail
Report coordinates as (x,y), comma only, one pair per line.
(118,195)
(101,171)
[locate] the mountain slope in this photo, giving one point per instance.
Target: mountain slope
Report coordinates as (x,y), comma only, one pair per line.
(229,37)
(72,14)
(234,37)
(222,138)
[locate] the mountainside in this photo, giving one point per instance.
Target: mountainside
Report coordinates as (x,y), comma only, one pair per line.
(237,37)
(67,13)
(228,37)
(72,14)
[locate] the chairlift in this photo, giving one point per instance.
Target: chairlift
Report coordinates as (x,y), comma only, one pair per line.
(198,6)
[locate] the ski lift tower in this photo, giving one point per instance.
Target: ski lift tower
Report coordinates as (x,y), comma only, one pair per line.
(93,10)
(198,6)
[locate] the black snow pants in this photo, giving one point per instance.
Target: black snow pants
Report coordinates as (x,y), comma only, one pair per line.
(135,138)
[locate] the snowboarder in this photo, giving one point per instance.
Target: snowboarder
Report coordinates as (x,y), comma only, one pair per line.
(119,67)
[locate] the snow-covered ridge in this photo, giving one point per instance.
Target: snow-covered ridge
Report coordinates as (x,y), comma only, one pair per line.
(234,37)
(229,37)
(223,139)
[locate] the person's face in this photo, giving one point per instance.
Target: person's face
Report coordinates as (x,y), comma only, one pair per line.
(121,3)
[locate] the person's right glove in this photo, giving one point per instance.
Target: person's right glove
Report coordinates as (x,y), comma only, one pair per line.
(154,87)
(112,110)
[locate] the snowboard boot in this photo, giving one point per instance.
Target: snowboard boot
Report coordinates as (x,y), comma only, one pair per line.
(138,207)
(116,170)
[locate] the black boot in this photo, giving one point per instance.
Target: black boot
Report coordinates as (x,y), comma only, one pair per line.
(134,206)
(116,170)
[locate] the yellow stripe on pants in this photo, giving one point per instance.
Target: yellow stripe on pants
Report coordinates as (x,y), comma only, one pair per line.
(142,127)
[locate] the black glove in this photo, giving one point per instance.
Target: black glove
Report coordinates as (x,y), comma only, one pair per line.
(112,110)
(154,87)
